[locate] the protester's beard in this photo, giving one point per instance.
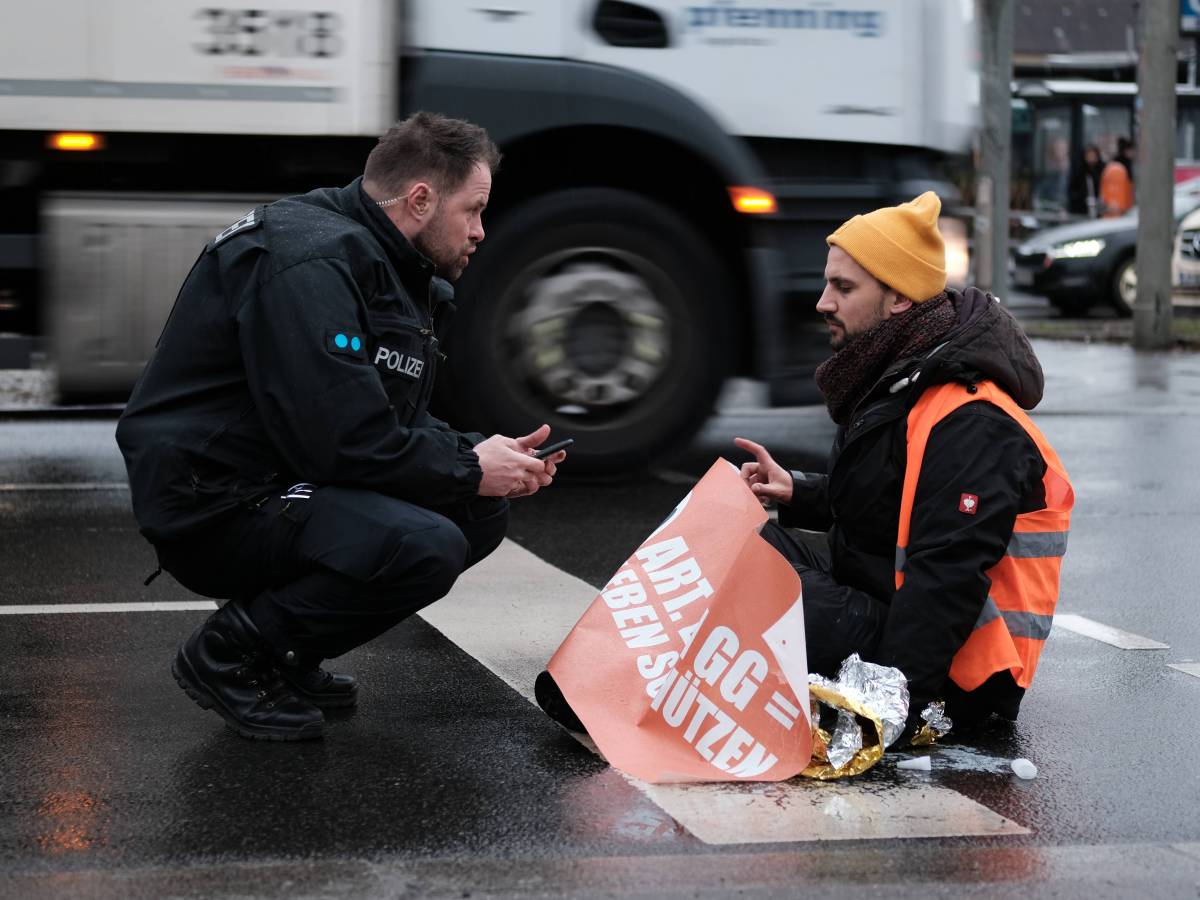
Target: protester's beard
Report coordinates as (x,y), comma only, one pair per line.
(847,337)
(836,343)
(840,342)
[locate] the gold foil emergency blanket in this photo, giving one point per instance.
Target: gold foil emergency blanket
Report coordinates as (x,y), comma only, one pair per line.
(863,694)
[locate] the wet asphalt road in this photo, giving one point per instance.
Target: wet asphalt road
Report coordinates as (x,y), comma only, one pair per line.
(447,783)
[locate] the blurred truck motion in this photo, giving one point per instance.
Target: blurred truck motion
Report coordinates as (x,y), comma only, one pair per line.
(670,172)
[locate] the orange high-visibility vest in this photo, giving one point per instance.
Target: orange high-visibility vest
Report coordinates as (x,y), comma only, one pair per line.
(1016,618)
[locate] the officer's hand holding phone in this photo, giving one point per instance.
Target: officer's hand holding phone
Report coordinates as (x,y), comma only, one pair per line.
(511,466)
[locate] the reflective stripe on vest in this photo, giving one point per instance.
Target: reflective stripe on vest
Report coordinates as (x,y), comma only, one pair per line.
(1016,617)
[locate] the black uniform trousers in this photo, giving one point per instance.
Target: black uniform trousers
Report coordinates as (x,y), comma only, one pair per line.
(838,620)
(322,570)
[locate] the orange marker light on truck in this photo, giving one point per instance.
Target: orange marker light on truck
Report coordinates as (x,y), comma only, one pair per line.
(752,200)
(76,140)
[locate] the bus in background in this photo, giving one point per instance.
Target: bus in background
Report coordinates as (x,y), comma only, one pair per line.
(1055,119)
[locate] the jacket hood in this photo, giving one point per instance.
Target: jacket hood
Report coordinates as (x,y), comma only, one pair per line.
(987,343)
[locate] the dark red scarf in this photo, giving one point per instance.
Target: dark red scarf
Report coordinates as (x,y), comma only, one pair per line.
(847,376)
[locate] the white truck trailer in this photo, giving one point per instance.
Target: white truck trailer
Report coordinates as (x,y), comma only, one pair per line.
(670,171)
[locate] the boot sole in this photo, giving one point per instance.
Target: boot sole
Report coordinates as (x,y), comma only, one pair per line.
(205,700)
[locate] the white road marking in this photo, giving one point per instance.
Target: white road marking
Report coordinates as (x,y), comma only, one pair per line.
(1115,637)
(1190,668)
(800,810)
(65,608)
(75,486)
(543,603)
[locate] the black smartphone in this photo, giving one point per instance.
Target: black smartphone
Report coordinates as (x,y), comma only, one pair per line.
(553,448)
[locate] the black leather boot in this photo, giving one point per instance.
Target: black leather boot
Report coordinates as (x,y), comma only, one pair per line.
(226,666)
(328,690)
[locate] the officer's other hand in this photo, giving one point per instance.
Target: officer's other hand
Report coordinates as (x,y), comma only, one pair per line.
(770,482)
(509,468)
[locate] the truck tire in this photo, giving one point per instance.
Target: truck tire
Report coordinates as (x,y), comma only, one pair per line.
(599,312)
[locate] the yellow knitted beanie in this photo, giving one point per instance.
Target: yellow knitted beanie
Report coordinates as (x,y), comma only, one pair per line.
(899,245)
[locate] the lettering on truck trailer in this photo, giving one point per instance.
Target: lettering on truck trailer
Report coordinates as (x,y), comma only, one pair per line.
(269,32)
(867,23)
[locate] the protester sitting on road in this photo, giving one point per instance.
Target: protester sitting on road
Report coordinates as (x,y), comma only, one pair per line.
(947,510)
(279,447)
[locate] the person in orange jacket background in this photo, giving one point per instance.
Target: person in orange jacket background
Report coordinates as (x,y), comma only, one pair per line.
(1116,181)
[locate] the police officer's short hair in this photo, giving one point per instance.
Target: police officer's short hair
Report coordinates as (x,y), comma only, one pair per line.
(429,147)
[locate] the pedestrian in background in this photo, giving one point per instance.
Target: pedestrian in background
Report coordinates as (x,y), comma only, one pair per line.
(945,509)
(1083,193)
(1055,183)
(280,450)
(1116,181)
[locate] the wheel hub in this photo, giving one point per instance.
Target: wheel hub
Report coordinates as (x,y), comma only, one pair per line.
(1128,285)
(592,333)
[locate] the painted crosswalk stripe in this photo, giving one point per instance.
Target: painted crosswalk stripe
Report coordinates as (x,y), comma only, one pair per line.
(1188,668)
(1098,631)
(70,608)
(543,603)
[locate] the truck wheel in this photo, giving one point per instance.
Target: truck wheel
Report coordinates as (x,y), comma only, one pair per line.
(597,311)
(1123,289)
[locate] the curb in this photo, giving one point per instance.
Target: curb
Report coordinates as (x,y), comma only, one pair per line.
(1105,332)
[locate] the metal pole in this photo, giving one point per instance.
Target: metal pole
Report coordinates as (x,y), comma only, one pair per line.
(1157,49)
(995,145)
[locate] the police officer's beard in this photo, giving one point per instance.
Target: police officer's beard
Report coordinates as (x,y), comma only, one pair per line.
(447,260)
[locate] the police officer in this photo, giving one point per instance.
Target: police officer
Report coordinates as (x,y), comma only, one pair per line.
(280,450)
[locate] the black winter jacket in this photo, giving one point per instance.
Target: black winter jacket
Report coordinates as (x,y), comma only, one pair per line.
(301,347)
(978,449)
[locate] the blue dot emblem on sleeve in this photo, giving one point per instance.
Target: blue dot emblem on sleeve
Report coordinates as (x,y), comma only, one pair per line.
(346,343)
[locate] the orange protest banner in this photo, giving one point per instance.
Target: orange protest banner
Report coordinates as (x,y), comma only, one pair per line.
(690,664)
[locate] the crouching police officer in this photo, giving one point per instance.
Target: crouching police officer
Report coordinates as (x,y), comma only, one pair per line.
(279,447)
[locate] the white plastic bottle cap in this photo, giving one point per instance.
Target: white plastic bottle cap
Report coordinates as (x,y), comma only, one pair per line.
(1023,768)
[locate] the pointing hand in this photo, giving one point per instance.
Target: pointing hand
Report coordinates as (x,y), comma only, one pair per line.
(770,482)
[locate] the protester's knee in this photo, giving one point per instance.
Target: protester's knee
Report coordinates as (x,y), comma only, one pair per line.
(772,532)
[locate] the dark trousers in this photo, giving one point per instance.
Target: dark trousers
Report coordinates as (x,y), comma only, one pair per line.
(838,620)
(322,575)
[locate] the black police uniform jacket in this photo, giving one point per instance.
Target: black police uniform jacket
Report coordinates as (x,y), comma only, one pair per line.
(301,348)
(978,449)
